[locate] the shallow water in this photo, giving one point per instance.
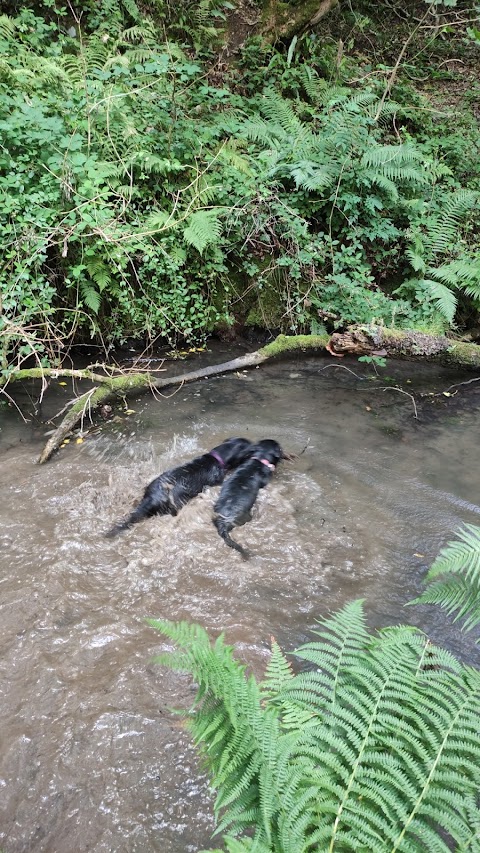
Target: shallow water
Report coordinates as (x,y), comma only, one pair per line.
(91,757)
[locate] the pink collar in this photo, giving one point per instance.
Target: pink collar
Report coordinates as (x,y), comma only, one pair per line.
(265,462)
(217,457)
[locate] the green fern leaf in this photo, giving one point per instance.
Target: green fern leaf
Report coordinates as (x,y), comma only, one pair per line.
(280,112)
(228,153)
(442,297)
(381,156)
(321,92)
(463,273)
(312,176)
(277,673)
(442,231)
(131,7)
(144,32)
(458,567)
(392,762)
(203,229)
(90,297)
(381,181)
(416,260)
(7,27)
(99,272)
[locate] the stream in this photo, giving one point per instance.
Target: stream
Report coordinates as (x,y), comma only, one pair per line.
(91,756)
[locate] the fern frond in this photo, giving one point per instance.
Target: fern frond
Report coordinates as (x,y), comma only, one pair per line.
(312,176)
(358,100)
(99,272)
(380,155)
(90,296)
(280,112)
(342,636)
(243,845)
(416,260)
(277,674)
(396,162)
(386,184)
(228,153)
(239,738)
(203,229)
(464,273)
(259,130)
(458,567)
(8,26)
(388,109)
(33,71)
(152,163)
(320,91)
(132,9)
(443,229)
(392,762)
(144,32)
(90,59)
(443,298)
(157,220)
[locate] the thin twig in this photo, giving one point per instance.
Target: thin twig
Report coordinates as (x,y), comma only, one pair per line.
(342,367)
(401,391)
(457,385)
(12,401)
(88,405)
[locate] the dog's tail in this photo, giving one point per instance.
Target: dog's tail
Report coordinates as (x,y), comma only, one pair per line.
(222,526)
(120,527)
(145,509)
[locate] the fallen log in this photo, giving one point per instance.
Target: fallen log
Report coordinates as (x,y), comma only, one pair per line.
(133,383)
(360,340)
(407,343)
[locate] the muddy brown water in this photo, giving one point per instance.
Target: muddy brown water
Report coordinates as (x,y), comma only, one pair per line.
(91,757)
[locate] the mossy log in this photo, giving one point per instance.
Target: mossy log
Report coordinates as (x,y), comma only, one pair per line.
(134,383)
(408,343)
(364,340)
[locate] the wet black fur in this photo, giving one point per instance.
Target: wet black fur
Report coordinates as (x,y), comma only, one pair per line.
(169,492)
(240,491)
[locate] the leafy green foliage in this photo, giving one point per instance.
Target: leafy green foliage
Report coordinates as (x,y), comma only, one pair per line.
(433,239)
(453,581)
(376,748)
(140,199)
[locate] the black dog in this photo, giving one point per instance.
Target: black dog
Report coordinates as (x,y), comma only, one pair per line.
(169,492)
(240,491)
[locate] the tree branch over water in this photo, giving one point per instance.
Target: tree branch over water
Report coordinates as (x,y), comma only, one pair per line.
(356,341)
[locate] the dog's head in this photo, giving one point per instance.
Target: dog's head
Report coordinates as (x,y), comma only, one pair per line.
(270,450)
(233,451)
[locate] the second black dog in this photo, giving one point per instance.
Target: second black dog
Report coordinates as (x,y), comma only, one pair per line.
(169,492)
(240,491)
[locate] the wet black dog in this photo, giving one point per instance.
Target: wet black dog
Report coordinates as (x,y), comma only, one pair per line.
(169,492)
(240,491)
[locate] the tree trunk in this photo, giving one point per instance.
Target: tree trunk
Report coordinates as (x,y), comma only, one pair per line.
(282,21)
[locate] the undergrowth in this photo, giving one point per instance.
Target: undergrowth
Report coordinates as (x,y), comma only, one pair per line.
(142,198)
